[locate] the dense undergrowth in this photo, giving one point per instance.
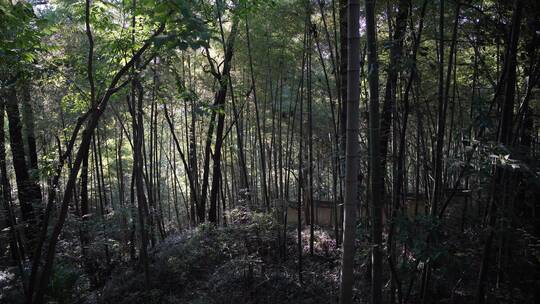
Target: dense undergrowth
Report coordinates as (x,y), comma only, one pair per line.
(240,263)
(247,261)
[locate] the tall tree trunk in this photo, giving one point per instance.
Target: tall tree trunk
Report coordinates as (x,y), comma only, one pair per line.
(220,102)
(15,244)
(300,187)
(258,123)
(28,191)
(29,129)
(504,138)
(310,135)
(352,157)
(343,58)
(374,153)
(391,81)
(138,172)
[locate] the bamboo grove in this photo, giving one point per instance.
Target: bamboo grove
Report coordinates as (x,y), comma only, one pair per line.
(407,130)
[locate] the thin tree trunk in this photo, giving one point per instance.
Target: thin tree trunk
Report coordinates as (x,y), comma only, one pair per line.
(310,204)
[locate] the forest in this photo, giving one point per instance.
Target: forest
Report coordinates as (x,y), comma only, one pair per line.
(269,151)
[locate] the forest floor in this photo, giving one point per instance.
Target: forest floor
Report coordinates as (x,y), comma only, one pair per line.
(240,263)
(248,262)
